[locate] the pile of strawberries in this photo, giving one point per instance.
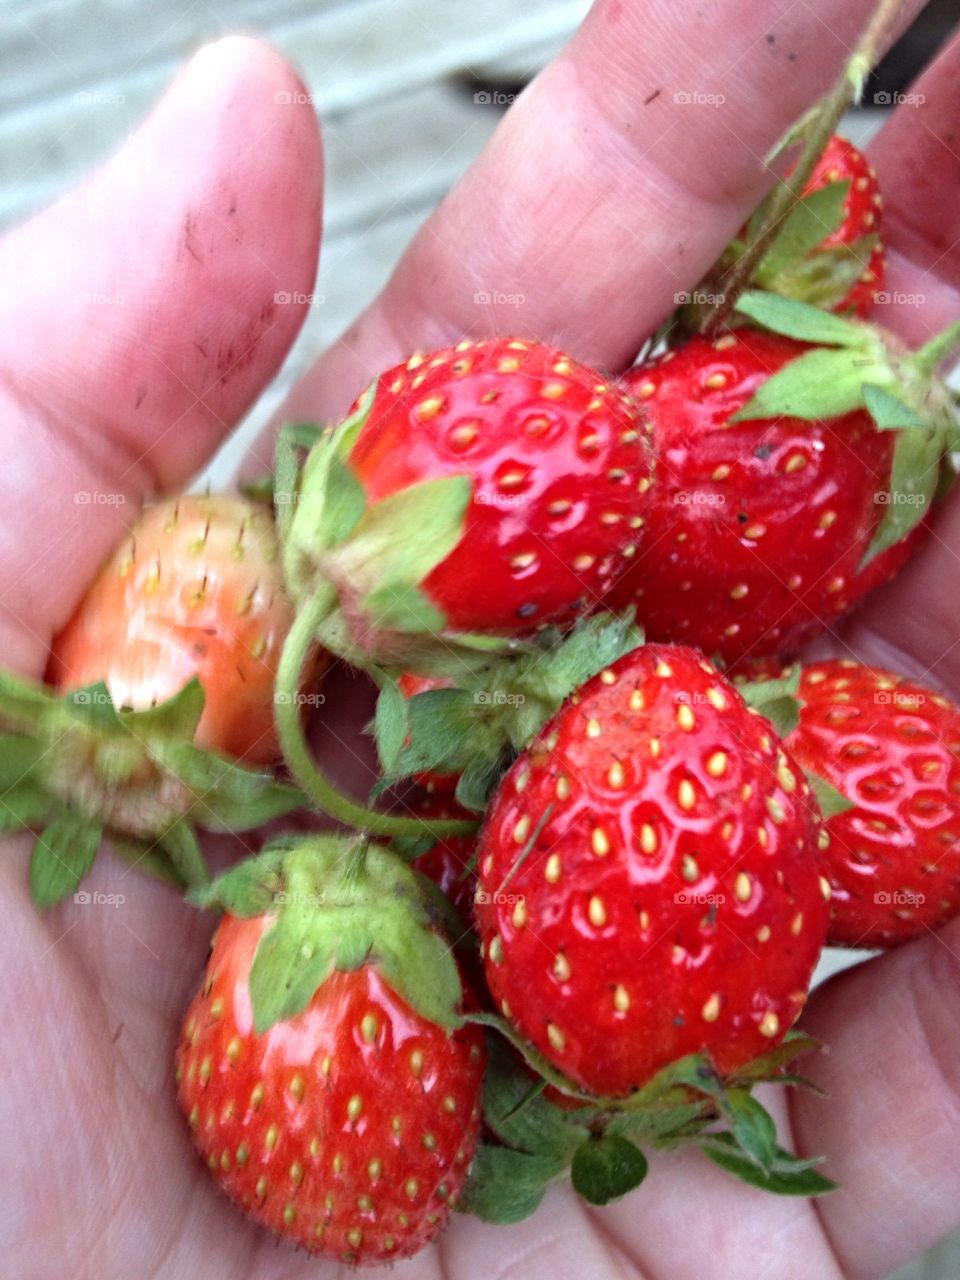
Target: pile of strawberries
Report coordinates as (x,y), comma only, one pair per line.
(616,822)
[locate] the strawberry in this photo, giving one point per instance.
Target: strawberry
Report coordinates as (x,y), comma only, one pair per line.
(842,162)
(647,885)
(778,502)
(346,1120)
(891,748)
(487,488)
(193,591)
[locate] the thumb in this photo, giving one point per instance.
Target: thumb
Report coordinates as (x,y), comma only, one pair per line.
(142,314)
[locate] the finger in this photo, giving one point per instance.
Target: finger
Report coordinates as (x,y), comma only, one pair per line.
(891,1124)
(917,157)
(138,319)
(613,182)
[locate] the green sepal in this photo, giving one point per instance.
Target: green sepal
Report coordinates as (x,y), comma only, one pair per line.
(180,844)
(23,807)
(93,706)
(62,855)
(228,796)
(769,1066)
(344,501)
(888,411)
(830,801)
(752,1127)
(799,320)
(914,477)
(177,717)
(811,220)
(148,857)
(515,1109)
(507,1186)
(337,904)
(19,757)
(777,699)
(821,383)
(606,1168)
(480,779)
(786,1176)
(402,607)
(391,724)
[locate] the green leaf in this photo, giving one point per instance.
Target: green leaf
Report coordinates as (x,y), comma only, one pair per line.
(888,411)
(93,705)
(402,607)
(814,218)
(519,1114)
(23,806)
(391,724)
(787,1175)
(19,756)
(506,1186)
(753,1127)
(178,716)
(403,537)
(606,1168)
(914,476)
(799,320)
(344,501)
(819,384)
(830,801)
(62,856)
(180,843)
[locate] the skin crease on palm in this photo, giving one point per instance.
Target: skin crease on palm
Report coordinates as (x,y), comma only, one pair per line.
(207,212)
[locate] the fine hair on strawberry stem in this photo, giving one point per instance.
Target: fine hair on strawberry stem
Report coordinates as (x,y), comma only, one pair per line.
(817,129)
(297,754)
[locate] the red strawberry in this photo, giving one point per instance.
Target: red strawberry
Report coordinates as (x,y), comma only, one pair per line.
(841,161)
(348,1126)
(891,747)
(193,591)
(647,884)
(491,487)
(757,529)
(410,684)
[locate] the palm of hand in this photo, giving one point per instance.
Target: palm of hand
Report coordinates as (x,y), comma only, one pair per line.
(97,1170)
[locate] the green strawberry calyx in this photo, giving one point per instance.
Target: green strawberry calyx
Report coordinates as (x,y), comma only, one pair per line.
(75,768)
(778,699)
(334,904)
(600,1142)
(475,728)
(853,365)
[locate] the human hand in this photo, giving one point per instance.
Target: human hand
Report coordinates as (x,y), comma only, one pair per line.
(586,227)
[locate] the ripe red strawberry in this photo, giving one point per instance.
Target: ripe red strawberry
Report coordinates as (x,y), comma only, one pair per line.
(410,684)
(647,883)
(891,747)
(193,591)
(347,1126)
(841,161)
(490,487)
(756,529)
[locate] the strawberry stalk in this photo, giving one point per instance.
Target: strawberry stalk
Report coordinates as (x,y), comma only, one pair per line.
(816,129)
(296,752)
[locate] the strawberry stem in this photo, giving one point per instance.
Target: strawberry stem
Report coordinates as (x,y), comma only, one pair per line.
(820,124)
(297,754)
